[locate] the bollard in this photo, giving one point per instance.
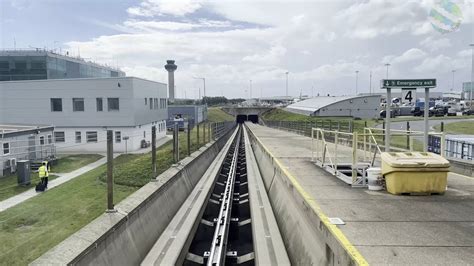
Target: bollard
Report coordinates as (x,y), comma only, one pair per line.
(408,135)
(153,151)
(209,132)
(110,171)
(442,126)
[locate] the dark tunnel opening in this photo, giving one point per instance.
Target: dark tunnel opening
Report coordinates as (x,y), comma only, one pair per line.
(242,118)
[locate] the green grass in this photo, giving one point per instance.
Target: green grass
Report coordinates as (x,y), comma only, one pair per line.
(35,226)
(461,127)
(282,115)
(70,163)
(215,114)
(9,185)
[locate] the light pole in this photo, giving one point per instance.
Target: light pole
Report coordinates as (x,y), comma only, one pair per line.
(452,86)
(287,82)
(250,89)
(370,82)
(204,81)
(357,80)
(387,65)
(472,76)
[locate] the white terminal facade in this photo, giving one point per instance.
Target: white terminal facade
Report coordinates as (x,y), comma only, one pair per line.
(82,110)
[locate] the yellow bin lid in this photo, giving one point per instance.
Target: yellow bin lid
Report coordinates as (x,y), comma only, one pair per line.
(414,159)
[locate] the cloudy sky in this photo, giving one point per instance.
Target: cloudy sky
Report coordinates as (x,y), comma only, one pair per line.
(230,42)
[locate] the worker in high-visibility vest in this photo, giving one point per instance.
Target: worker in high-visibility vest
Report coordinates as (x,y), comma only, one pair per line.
(43,174)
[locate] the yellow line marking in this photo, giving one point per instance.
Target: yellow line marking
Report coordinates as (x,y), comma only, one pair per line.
(465,176)
(347,245)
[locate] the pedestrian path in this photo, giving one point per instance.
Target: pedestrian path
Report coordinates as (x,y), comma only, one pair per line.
(63,178)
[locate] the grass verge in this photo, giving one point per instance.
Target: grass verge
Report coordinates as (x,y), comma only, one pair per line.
(38,224)
(70,163)
(461,127)
(215,114)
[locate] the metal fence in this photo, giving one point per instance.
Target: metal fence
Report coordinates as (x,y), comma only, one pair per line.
(304,127)
(453,148)
(219,129)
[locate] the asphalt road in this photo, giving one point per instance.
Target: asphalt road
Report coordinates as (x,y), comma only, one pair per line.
(419,125)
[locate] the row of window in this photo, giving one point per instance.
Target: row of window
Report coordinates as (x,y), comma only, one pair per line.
(113,104)
(156,103)
(6,145)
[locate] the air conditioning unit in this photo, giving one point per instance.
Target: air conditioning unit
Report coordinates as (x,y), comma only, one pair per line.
(13,165)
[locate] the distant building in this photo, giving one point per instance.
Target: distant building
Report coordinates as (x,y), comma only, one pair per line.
(41,64)
(364,106)
(24,142)
(83,109)
(194,114)
(466,89)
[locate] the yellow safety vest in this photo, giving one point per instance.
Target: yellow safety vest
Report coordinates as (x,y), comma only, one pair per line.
(42,171)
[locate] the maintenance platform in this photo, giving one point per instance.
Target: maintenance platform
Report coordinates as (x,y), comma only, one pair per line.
(382,228)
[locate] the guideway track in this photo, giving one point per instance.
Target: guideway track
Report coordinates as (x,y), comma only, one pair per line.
(227,219)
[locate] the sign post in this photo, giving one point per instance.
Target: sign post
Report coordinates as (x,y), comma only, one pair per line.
(407,84)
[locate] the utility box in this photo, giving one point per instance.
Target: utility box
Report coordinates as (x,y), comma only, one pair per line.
(23,171)
(414,172)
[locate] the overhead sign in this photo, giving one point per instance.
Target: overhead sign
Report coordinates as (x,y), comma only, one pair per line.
(408,95)
(408,83)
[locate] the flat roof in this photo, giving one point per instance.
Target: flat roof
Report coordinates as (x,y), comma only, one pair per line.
(77,79)
(10,130)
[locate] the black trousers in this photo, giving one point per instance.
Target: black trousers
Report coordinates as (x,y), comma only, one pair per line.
(44,180)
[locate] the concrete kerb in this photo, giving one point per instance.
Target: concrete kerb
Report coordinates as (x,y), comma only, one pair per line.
(301,221)
(125,237)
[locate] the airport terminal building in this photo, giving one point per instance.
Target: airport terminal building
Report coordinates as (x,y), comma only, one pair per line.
(82,110)
(42,64)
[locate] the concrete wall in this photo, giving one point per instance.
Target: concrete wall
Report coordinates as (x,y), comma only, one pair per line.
(125,237)
(463,167)
(307,237)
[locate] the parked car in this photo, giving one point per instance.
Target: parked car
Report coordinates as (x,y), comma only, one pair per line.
(468,112)
(383,112)
(452,112)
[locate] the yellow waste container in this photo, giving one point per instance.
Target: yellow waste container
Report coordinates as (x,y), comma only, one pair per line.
(414,172)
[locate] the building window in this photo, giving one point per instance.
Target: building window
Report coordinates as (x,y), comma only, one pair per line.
(78,104)
(100,104)
(118,136)
(6,148)
(56,105)
(41,140)
(145,101)
(113,104)
(144,134)
(59,137)
(91,136)
(151,103)
(78,137)
(50,139)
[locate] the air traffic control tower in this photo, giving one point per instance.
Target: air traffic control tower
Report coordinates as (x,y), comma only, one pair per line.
(170,67)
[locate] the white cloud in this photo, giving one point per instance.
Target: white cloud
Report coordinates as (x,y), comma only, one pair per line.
(434,44)
(412,54)
(150,8)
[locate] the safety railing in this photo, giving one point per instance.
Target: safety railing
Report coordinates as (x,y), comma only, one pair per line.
(348,155)
(304,127)
(219,129)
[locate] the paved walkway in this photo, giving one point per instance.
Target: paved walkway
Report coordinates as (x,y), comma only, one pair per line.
(63,178)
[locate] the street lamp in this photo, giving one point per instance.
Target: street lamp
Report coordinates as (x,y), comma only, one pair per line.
(357,80)
(387,65)
(204,80)
(250,89)
(287,82)
(472,76)
(452,86)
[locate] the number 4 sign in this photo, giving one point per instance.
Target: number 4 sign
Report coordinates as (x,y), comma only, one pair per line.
(408,96)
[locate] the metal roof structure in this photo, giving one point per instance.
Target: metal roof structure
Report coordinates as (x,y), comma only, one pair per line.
(364,106)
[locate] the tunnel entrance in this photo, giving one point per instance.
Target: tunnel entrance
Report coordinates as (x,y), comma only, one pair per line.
(242,118)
